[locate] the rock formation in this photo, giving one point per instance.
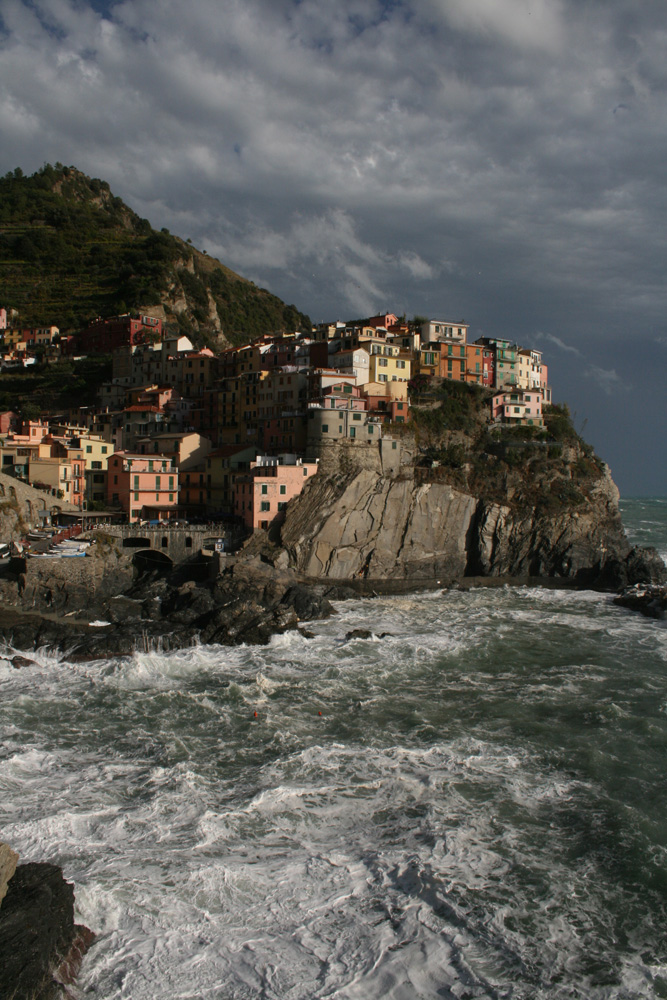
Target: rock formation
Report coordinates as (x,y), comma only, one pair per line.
(41,947)
(359,519)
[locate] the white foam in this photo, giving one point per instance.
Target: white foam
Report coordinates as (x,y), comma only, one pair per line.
(387,848)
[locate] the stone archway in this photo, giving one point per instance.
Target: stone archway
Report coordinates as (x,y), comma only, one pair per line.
(136,543)
(152,561)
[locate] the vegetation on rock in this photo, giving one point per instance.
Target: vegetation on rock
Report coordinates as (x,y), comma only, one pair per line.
(547,469)
(53,388)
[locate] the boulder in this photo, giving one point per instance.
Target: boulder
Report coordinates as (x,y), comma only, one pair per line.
(648,599)
(40,945)
(8,862)
(22,661)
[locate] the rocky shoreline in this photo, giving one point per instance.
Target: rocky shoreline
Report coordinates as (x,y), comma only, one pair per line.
(372,521)
(255,596)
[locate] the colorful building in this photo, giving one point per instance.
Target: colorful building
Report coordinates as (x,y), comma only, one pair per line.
(519,406)
(262,494)
(144,488)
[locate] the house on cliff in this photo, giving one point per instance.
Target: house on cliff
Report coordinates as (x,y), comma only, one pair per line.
(262,494)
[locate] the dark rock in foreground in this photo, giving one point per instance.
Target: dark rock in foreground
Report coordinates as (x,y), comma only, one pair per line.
(649,599)
(41,947)
(248,603)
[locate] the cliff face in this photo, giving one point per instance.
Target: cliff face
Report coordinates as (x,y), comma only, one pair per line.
(364,517)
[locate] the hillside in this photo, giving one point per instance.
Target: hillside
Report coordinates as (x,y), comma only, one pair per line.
(71,251)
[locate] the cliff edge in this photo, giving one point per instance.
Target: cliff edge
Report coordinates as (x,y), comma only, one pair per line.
(486,507)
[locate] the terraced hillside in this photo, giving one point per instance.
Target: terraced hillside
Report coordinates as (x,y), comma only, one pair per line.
(71,251)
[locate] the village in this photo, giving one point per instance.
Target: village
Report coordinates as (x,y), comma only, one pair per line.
(185,434)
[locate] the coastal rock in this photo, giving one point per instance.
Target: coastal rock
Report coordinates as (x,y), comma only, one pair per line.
(649,600)
(40,945)
(365,523)
(8,862)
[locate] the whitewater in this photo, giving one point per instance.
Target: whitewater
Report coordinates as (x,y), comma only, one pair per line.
(472,806)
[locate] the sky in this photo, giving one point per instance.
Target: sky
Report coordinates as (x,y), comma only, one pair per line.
(501,162)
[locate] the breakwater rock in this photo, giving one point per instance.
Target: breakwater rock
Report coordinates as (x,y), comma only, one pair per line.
(41,947)
(648,599)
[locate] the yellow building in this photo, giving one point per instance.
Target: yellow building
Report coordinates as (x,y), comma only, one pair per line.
(389,364)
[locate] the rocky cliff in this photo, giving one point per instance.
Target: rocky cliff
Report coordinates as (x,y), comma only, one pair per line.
(376,513)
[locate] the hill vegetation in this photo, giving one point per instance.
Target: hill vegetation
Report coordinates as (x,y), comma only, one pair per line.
(548,469)
(70,251)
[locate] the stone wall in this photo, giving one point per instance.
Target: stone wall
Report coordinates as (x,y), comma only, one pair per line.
(62,585)
(22,507)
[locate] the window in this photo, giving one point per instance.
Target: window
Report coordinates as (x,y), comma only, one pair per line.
(104,449)
(370,428)
(96,465)
(136,482)
(157,482)
(171,482)
(283,490)
(356,416)
(89,449)
(353,432)
(383,362)
(325,428)
(281,505)
(171,497)
(265,489)
(305,470)
(115,480)
(265,505)
(136,497)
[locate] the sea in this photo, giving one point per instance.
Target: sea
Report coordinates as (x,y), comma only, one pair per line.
(471,803)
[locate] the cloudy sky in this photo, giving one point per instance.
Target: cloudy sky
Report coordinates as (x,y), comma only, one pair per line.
(498,161)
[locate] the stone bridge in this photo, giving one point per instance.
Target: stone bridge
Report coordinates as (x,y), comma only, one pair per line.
(178,543)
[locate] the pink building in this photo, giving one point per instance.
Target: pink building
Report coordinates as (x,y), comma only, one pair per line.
(9,421)
(261,496)
(388,409)
(144,487)
(517,406)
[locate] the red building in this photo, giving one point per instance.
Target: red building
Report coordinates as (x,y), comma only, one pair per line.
(105,335)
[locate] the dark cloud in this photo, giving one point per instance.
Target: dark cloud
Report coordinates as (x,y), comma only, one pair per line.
(498,160)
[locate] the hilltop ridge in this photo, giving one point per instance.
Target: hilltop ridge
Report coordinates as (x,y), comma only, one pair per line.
(70,250)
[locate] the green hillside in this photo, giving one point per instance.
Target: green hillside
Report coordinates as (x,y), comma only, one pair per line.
(71,251)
